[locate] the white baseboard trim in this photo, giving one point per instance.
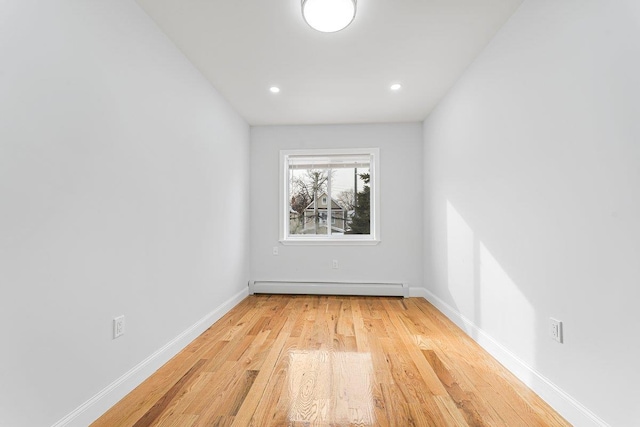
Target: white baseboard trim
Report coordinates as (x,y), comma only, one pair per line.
(418,293)
(328,288)
(93,408)
(572,410)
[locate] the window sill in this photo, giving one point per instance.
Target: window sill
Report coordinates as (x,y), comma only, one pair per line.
(330,242)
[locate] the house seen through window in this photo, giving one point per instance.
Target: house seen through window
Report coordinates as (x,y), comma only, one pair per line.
(329,195)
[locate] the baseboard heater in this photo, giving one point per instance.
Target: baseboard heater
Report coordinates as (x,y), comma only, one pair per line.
(328,288)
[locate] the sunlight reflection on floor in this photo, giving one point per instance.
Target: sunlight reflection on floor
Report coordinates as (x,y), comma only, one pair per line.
(330,387)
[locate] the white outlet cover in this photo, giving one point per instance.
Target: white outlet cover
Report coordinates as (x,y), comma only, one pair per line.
(118,326)
(556,329)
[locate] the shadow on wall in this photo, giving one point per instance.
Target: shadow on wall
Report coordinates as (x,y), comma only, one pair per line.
(484,293)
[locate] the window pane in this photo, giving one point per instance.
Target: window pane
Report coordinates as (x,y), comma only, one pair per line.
(305,215)
(351,189)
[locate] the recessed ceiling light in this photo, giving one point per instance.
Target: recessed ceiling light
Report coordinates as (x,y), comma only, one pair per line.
(274,89)
(328,16)
(396,86)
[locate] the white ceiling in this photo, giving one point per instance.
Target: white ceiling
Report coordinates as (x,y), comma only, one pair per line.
(245,46)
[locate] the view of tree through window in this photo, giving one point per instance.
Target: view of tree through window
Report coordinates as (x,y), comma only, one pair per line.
(329,195)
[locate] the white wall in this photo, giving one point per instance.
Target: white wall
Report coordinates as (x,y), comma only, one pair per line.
(533,180)
(396,258)
(123,190)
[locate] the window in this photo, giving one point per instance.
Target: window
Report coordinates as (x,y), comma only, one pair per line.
(329,196)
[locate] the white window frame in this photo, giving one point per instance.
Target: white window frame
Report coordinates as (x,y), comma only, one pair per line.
(348,239)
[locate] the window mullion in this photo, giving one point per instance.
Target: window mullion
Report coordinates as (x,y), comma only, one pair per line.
(287,201)
(329,202)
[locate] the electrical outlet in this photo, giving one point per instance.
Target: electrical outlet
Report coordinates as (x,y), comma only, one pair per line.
(335,263)
(118,326)
(556,329)
(275,251)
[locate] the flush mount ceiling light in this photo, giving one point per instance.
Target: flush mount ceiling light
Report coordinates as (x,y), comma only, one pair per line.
(396,87)
(274,89)
(328,16)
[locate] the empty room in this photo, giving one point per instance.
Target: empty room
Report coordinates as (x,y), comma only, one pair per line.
(319,213)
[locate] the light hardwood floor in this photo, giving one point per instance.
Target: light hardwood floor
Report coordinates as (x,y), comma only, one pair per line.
(332,361)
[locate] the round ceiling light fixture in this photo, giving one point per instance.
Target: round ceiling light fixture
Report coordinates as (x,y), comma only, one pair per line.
(328,16)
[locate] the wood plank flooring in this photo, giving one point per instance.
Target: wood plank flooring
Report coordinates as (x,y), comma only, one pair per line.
(277,360)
